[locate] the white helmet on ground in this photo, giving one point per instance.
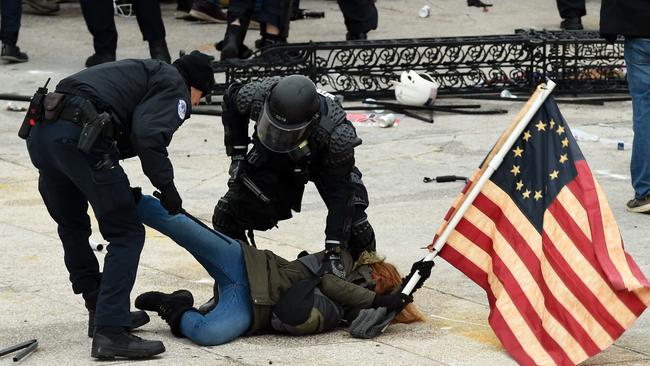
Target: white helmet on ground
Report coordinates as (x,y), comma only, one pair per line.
(413,89)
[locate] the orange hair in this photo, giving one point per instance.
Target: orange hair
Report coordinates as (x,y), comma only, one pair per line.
(390,279)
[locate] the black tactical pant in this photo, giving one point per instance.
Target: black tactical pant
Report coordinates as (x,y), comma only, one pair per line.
(68,180)
(571,8)
(10,11)
(98,15)
(274,12)
(360,15)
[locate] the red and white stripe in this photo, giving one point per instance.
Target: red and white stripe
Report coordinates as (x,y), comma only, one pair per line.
(558,297)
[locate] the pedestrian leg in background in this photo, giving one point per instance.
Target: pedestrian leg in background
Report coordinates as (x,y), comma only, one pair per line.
(98,15)
(10,14)
(360,18)
(149,17)
(571,11)
(637,59)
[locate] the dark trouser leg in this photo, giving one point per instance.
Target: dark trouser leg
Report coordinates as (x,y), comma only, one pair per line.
(10,11)
(571,8)
(147,12)
(362,235)
(121,227)
(241,9)
(98,15)
(360,15)
(68,207)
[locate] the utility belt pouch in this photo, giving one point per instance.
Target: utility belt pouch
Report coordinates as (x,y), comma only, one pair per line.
(93,125)
(53,106)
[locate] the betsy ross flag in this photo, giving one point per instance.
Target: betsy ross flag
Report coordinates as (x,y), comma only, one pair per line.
(541,240)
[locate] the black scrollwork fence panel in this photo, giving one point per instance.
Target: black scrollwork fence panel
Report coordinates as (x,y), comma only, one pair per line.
(578,62)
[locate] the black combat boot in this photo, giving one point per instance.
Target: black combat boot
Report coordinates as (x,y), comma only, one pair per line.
(572,24)
(158,51)
(111,341)
(356,36)
(138,318)
(170,307)
(99,58)
(12,54)
(212,303)
(232,45)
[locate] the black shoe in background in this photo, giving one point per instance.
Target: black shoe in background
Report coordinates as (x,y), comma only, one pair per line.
(138,319)
(207,11)
(110,342)
(12,54)
(356,36)
(99,58)
(158,51)
(572,24)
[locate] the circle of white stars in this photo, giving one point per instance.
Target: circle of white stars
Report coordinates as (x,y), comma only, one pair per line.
(518,152)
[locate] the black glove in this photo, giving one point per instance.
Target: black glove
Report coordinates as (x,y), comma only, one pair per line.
(238,167)
(393,302)
(332,261)
(424,267)
(170,199)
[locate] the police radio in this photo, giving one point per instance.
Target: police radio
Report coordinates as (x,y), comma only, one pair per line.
(35,112)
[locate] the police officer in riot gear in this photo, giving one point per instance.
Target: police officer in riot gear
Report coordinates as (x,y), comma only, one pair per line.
(147,100)
(301,135)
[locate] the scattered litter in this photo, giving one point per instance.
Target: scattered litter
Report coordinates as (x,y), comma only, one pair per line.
(11,106)
(505,93)
(96,246)
(387,120)
(581,135)
(424,11)
(620,145)
(374,119)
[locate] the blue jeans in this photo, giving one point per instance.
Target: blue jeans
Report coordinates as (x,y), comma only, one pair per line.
(637,58)
(223,258)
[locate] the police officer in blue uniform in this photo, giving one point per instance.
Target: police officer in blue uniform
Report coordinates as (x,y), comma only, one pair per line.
(137,105)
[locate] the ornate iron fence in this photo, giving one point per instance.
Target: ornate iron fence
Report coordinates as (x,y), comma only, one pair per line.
(579,62)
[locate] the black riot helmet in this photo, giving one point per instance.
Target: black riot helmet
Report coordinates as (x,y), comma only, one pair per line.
(289,110)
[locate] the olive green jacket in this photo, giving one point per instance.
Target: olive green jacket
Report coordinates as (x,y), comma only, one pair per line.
(270,275)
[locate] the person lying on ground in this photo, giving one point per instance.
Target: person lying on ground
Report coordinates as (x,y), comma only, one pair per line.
(260,291)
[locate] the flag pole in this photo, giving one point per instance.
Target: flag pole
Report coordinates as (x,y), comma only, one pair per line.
(494,159)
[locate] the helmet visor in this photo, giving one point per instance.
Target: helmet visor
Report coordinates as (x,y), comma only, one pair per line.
(278,136)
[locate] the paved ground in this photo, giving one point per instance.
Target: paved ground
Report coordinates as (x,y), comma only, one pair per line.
(35,297)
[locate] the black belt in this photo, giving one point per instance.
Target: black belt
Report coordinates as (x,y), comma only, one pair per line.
(72,113)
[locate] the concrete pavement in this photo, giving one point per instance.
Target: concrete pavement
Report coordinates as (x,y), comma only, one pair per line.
(35,296)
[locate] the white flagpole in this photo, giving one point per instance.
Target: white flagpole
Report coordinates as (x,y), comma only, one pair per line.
(476,188)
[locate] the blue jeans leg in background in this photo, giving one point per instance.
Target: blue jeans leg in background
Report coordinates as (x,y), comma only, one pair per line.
(223,258)
(637,58)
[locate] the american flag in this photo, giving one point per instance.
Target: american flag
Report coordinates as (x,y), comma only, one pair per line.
(541,240)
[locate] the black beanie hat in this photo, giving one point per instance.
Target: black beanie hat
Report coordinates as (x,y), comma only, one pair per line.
(197,71)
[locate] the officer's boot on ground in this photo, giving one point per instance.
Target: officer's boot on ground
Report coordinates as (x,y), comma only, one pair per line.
(356,36)
(11,53)
(232,45)
(138,318)
(158,51)
(111,341)
(212,303)
(170,307)
(99,58)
